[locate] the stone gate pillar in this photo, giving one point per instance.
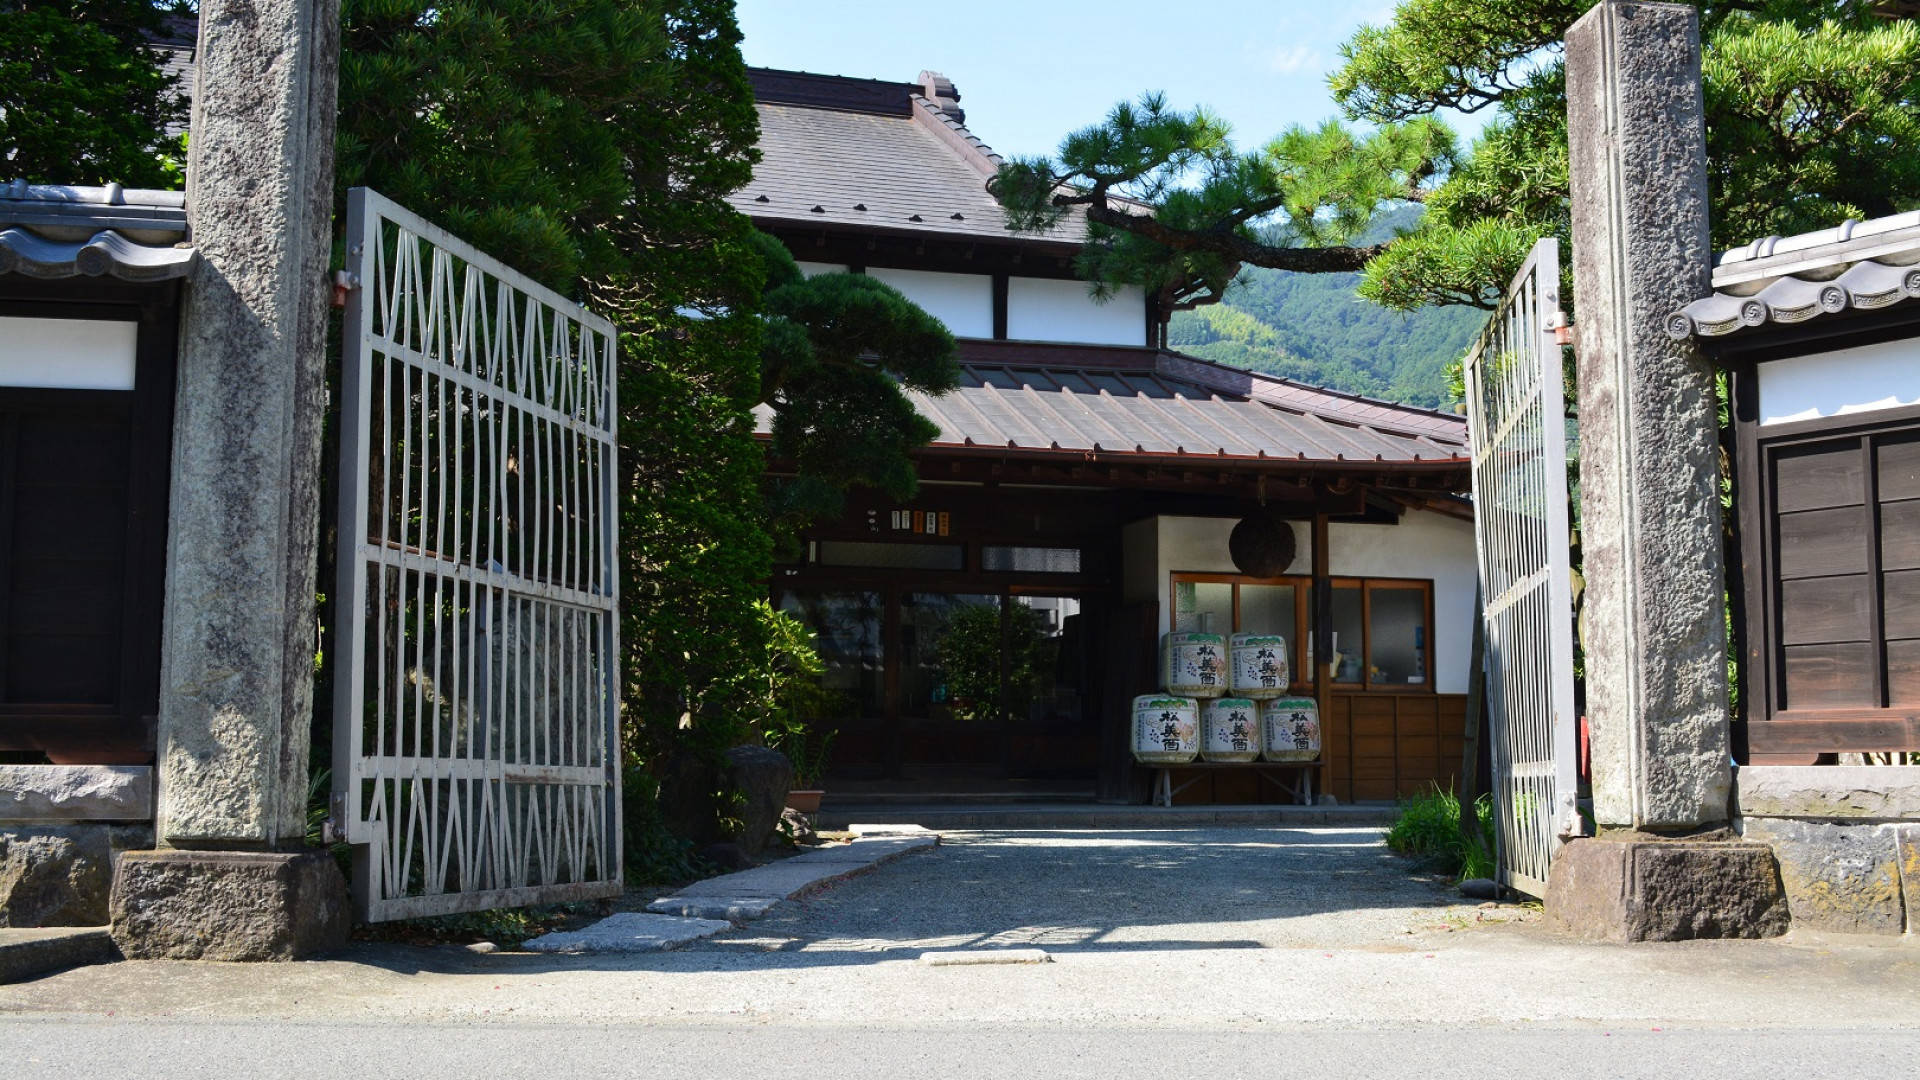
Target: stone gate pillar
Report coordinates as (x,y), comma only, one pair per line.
(1655,633)
(229,880)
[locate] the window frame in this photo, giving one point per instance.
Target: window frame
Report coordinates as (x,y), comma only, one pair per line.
(1302,676)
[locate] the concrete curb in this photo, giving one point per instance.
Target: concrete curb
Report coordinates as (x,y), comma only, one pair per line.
(25,953)
(750,894)
(629,932)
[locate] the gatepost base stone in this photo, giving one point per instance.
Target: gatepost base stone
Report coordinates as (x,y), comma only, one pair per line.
(1665,890)
(227,905)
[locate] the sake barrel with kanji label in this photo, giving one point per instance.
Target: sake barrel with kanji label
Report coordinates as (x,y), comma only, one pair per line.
(1165,729)
(1290,729)
(1194,664)
(1230,729)
(1259,666)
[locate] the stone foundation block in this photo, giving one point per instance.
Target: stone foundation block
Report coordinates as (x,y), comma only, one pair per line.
(220,905)
(56,793)
(1671,890)
(1842,879)
(60,875)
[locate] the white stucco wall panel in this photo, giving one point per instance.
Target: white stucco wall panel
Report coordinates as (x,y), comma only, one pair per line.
(1423,546)
(1844,381)
(1044,309)
(963,301)
(67,354)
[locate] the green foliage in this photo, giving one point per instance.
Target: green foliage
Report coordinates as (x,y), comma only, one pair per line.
(510,122)
(795,703)
(1295,203)
(837,351)
(1314,328)
(1428,829)
(1812,107)
(654,856)
(82,97)
(969,658)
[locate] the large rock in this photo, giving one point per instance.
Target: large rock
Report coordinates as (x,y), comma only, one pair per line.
(1842,879)
(1665,890)
(763,777)
(76,793)
(222,905)
(60,875)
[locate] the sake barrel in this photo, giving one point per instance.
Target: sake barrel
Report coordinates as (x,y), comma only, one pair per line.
(1165,729)
(1230,729)
(1290,729)
(1194,664)
(1259,665)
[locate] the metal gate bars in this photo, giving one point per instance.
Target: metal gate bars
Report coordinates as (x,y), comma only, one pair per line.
(1516,416)
(476,691)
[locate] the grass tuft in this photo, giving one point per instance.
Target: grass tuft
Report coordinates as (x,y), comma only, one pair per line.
(1428,829)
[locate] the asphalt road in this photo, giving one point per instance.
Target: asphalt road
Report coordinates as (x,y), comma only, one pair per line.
(1178,953)
(153,1050)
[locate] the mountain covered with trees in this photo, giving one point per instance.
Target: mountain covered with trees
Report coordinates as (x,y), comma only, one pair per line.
(1314,328)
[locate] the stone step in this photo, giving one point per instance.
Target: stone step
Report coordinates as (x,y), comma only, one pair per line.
(27,952)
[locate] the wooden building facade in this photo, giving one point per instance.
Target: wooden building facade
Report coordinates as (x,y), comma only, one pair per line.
(1080,499)
(89,312)
(1820,335)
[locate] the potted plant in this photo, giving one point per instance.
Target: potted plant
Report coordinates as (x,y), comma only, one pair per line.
(795,703)
(807,749)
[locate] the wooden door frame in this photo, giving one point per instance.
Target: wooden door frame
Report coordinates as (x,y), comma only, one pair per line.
(124,733)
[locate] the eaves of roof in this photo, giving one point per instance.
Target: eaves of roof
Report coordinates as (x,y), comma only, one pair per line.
(1857,268)
(57,231)
(1135,406)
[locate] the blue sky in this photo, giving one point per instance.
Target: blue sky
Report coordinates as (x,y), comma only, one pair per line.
(1029,72)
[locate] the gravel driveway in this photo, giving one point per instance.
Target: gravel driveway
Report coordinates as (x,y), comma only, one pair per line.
(1117,890)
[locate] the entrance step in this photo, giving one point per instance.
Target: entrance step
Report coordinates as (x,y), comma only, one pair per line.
(27,952)
(951,816)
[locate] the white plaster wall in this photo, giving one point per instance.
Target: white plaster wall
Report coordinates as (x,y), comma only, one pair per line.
(963,301)
(1423,546)
(73,354)
(812,268)
(1871,377)
(1044,309)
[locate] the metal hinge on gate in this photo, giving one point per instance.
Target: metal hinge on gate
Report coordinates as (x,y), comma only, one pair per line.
(1567,822)
(334,829)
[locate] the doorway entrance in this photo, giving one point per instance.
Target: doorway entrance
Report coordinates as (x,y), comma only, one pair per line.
(957,685)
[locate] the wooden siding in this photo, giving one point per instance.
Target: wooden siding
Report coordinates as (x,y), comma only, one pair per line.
(1377,747)
(1830,542)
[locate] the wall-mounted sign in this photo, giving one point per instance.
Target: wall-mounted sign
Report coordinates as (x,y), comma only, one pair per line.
(925,522)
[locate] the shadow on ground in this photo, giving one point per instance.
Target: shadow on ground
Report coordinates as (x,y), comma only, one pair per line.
(1065,891)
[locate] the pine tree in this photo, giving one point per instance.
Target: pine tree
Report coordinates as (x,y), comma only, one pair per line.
(1813,107)
(83,96)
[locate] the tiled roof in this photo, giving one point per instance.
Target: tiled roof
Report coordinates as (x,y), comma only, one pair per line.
(1119,403)
(1858,267)
(54,231)
(859,154)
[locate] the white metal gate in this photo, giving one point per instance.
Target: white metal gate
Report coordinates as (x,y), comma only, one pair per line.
(1516,414)
(476,690)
